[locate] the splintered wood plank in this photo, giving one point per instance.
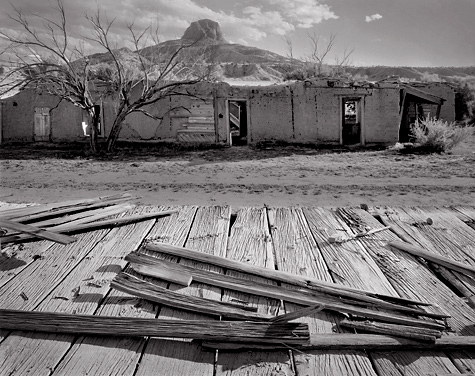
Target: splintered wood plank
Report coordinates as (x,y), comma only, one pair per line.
(207,234)
(250,242)
(411,279)
(80,292)
(93,355)
(297,252)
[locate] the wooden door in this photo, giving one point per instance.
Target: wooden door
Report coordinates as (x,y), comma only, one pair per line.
(42,129)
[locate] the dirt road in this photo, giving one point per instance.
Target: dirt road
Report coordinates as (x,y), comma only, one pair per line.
(244,176)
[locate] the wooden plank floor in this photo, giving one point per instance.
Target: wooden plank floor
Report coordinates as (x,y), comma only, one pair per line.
(75,279)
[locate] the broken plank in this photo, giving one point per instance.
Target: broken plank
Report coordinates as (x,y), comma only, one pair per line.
(137,287)
(277,275)
(37,232)
(343,341)
(241,331)
(277,292)
(440,260)
(165,274)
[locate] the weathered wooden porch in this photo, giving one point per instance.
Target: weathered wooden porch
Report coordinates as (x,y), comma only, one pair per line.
(75,278)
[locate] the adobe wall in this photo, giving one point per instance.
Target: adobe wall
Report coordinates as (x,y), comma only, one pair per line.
(19,117)
(307,112)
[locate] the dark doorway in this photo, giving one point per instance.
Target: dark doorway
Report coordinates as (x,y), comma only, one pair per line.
(238,122)
(351,121)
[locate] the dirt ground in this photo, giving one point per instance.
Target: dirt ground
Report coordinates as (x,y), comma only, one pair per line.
(240,176)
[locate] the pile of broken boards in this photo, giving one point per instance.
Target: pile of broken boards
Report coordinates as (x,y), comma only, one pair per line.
(399,323)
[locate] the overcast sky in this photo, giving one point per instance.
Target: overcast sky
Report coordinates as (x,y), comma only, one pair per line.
(381,32)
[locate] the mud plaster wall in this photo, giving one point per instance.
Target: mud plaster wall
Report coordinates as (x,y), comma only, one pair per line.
(19,117)
(270,113)
(306,113)
(174,113)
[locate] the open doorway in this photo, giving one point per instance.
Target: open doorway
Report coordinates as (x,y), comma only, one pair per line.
(351,121)
(238,121)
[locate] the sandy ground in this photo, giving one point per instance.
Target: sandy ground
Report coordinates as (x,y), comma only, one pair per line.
(245,176)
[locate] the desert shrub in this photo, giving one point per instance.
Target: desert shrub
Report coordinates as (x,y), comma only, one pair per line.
(435,135)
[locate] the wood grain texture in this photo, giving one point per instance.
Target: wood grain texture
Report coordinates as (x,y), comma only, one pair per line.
(91,277)
(37,232)
(292,294)
(414,280)
(297,252)
(208,233)
(250,242)
(345,341)
(111,326)
(98,356)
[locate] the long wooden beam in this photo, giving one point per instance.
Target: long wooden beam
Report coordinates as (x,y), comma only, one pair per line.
(293,279)
(275,292)
(343,341)
(430,256)
(247,331)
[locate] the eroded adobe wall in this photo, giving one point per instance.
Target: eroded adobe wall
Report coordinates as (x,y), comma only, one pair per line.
(19,117)
(175,113)
(306,112)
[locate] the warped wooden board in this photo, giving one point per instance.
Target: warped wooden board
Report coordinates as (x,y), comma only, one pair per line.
(101,355)
(208,233)
(91,279)
(250,242)
(297,252)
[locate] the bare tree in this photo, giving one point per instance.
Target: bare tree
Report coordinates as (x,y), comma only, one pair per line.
(52,61)
(319,52)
